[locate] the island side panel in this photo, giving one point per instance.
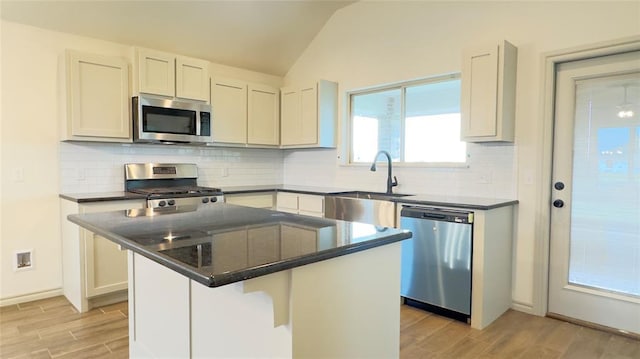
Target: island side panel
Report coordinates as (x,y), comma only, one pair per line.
(159,310)
(492,265)
(349,306)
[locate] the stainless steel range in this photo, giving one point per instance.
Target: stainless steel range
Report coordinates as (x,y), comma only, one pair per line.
(169,184)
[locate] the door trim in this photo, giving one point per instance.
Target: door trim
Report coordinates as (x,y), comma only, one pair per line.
(543,222)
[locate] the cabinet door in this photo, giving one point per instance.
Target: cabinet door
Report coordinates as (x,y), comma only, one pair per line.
(308,115)
(488,93)
(290,130)
(479,91)
(192,79)
(287,202)
(106,265)
(156,73)
(105,262)
(97,97)
(229,105)
(251,200)
(263,115)
(311,205)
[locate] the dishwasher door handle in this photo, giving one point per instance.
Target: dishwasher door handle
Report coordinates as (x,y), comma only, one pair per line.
(433,215)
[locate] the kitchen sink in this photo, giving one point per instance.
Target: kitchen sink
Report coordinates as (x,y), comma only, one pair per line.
(367,207)
(371,195)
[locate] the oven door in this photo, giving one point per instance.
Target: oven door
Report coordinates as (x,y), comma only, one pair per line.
(161,120)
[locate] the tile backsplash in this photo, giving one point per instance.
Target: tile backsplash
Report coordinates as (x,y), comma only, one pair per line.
(99,167)
(490,172)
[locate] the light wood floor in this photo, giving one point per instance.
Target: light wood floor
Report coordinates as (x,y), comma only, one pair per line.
(51,328)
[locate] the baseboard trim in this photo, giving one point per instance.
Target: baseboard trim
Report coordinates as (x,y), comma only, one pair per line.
(523,307)
(603,328)
(30,297)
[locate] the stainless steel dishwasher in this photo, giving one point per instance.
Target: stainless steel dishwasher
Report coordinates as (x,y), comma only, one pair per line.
(436,261)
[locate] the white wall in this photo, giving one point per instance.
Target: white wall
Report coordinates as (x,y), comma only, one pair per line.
(29,210)
(371,43)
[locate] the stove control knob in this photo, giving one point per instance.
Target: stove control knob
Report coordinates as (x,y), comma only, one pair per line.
(162,203)
(214,199)
(205,200)
(171,202)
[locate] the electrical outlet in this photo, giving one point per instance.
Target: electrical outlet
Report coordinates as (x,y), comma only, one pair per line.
(23,260)
(485,177)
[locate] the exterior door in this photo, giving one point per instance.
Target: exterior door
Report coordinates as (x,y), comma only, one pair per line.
(594,272)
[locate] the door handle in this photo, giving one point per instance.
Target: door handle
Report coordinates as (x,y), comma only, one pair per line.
(558,203)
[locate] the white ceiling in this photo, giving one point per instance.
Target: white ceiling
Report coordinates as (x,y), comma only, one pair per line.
(264,36)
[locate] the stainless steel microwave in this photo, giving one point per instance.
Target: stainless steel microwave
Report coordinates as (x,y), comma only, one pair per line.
(168,121)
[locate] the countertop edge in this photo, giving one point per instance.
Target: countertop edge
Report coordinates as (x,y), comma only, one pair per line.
(504,203)
(232,277)
(453,202)
(100,197)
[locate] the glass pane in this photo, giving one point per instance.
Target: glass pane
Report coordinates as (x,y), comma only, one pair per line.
(432,126)
(605,210)
(378,115)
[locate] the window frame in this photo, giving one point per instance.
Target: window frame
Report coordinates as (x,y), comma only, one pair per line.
(402,86)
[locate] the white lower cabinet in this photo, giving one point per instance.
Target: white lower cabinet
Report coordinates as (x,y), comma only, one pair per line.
(94,268)
(306,204)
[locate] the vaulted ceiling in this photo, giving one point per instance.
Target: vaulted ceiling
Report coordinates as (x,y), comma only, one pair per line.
(264,36)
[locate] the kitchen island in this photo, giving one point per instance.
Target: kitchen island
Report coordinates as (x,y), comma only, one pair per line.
(231,281)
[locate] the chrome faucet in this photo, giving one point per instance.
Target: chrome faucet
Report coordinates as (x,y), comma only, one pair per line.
(390,183)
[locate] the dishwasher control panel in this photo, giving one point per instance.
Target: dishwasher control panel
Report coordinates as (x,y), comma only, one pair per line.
(439,214)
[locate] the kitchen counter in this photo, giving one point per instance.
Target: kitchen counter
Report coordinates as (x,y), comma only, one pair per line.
(100,196)
(314,190)
(200,242)
(456,201)
(275,284)
(465,202)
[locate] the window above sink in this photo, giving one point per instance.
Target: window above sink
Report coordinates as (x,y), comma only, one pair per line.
(417,122)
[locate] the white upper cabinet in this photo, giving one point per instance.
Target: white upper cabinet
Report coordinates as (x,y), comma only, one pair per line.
(289,116)
(165,74)
(192,78)
(309,115)
(95,99)
(156,72)
(244,114)
(263,115)
(229,106)
(488,93)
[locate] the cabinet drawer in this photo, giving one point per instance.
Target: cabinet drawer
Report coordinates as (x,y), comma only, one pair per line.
(311,204)
(288,200)
(256,201)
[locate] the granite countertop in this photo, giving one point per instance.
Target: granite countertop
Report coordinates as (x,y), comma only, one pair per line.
(465,202)
(222,244)
(316,190)
(100,196)
(456,201)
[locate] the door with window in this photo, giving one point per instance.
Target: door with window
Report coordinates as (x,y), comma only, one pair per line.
(594,272)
